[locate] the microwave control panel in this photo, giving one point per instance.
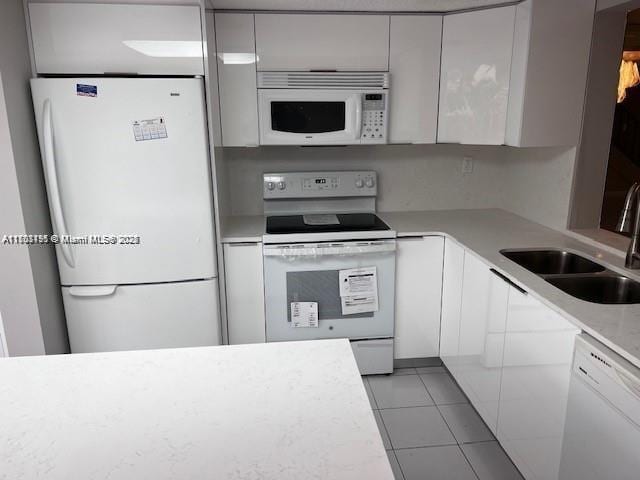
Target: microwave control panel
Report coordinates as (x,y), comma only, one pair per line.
(374,118)
(319,184)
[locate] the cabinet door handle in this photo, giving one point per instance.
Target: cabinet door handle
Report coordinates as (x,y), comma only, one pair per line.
(503,277)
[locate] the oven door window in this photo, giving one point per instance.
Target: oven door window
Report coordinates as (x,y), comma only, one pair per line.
(308,117)
(321,286)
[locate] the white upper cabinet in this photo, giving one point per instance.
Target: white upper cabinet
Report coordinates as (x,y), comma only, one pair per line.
(549,72)
(414,65)
(235,45)
(418,297)
(475,71)
(76,38)
(322,42)
(212,80)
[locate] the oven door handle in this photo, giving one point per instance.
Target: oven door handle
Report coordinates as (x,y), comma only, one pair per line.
(331,249)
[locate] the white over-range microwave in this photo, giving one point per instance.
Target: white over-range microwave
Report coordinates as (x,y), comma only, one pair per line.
(323,108)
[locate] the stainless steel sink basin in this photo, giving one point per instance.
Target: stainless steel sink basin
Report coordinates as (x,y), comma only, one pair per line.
(552,262)
(606,289)
(578,276)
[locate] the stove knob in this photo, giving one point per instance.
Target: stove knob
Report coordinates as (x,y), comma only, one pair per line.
(271,185)
(359,183)
(369,182)
(282,185)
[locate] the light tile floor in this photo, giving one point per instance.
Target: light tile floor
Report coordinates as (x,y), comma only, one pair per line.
(430,430)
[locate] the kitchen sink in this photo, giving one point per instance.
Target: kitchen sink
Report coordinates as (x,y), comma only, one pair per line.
(578,276)
(607,289)
(552,262)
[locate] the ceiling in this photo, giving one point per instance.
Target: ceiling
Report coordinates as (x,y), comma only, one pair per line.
(354,5)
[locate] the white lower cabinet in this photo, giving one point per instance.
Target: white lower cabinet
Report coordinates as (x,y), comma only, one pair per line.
(512,357)
(244,282)
(453,270)
(538,352)
(418,296)
(483,316)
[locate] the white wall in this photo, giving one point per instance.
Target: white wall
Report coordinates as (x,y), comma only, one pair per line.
(18,304)
(600,102)
(532,182)
(538,184)
(16,70)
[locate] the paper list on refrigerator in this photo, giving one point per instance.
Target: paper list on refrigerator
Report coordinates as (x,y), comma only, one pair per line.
(304,314)
(359,290)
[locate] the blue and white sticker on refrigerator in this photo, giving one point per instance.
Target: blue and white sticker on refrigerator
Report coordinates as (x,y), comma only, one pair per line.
(84,90)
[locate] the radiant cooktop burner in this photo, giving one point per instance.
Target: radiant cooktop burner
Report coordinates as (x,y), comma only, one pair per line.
(314,223)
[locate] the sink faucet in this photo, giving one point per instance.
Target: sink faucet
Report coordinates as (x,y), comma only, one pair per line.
(624,225)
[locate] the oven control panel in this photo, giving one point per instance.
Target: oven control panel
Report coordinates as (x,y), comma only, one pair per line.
(319,184)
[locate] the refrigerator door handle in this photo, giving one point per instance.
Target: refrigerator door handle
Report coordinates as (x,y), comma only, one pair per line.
(93,290)
(52,183)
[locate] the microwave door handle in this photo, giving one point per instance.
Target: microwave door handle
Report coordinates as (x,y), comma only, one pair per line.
(358,129)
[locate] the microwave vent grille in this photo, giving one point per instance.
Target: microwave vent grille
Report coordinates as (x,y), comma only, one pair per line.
(324,80)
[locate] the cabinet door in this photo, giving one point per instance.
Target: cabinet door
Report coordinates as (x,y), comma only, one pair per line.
(418,297)
(322,42)
(235,44)
(212,80)
(77,38)
(414,64)
(538,352)
(245,292)
(482,329)
(474,80)
(451,302)
(549,72)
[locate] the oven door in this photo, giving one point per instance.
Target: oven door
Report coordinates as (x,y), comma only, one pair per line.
(310,273)
(309,117)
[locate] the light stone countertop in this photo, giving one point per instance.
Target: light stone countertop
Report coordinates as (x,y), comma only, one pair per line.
(289,410)
(486,232)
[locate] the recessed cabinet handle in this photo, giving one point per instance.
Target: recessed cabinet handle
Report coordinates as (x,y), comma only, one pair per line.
(503,277)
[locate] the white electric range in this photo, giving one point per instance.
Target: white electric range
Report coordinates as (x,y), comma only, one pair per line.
(329,263)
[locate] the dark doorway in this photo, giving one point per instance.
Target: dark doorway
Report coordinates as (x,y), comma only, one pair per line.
(623,168)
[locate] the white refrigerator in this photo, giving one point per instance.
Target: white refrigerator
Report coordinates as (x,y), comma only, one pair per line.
(129,187)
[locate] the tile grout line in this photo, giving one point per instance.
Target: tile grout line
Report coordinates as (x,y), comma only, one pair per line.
(368,389)
(422,406)
(469,463)
(385,429)
(399,466)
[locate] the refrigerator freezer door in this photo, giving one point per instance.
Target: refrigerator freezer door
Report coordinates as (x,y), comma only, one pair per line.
(127,157)
(138,317)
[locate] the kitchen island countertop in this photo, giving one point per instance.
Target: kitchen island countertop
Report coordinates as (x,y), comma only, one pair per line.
(289,410)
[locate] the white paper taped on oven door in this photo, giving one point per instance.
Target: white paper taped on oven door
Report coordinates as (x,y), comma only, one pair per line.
(304,314)
(358,290)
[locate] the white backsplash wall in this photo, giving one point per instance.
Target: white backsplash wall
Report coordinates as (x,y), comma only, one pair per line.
(534,183)
(540,181)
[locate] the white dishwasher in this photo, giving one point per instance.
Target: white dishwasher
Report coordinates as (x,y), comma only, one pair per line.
(602,429)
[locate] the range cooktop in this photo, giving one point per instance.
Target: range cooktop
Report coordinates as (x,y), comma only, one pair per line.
(325,223)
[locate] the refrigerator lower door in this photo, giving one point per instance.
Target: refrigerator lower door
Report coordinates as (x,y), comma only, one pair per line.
(128,158)
(138,317)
